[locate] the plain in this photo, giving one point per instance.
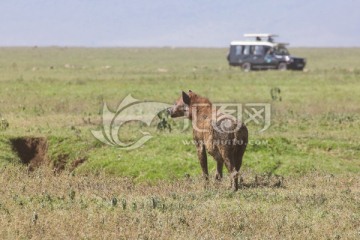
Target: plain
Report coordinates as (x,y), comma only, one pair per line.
(301,176)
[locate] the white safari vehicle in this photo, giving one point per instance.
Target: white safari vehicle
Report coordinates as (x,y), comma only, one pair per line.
(262,53)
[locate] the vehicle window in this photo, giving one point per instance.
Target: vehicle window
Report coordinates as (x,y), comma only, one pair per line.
(238,50)
(268,50)
(246,50)
(252,49)
(281,51)
(259,50)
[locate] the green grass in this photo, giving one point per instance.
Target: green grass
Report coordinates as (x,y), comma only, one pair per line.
(58,93)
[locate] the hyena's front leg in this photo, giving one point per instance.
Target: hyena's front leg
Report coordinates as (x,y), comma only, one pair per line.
(201,151)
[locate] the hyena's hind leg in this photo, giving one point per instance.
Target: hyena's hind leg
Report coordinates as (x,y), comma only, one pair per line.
(238,156)
(240,147)
(219,170)
(233,171)
(219,166)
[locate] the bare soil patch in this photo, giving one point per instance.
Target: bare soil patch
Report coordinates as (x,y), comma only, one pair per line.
(77,163)
(31,150)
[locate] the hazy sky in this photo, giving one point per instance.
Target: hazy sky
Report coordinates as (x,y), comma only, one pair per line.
(176,23)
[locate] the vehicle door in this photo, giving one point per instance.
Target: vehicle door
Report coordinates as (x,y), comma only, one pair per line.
(247,55)
(270,60)
(258,55)
(235,53)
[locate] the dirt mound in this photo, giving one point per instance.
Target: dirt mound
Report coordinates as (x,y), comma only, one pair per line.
(77,163)
(31,150)
(61,163)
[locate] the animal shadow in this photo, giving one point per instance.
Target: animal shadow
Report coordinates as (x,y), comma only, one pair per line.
(264,180)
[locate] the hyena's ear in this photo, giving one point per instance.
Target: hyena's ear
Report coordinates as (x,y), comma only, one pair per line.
(186,98)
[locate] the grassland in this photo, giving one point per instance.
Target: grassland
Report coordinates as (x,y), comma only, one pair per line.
(40,205)
(57,94)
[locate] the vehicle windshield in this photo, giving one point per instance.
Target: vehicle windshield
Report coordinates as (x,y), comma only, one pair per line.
(281,51)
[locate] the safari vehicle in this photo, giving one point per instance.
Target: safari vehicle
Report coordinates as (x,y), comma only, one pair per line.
(263,53)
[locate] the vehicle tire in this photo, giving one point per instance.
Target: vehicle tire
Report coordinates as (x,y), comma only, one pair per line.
(282,66)
(246,67)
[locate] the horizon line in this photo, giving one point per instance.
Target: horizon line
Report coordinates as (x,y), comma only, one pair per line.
(149,46)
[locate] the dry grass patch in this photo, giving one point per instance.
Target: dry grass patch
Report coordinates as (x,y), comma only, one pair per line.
(42,205)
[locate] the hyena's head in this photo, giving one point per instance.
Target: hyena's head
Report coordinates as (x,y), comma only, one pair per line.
(181,106)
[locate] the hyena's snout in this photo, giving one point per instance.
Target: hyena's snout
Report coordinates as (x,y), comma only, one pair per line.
(175,111)
(169,110)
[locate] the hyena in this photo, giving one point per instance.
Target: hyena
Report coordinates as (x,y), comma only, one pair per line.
(221,135)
